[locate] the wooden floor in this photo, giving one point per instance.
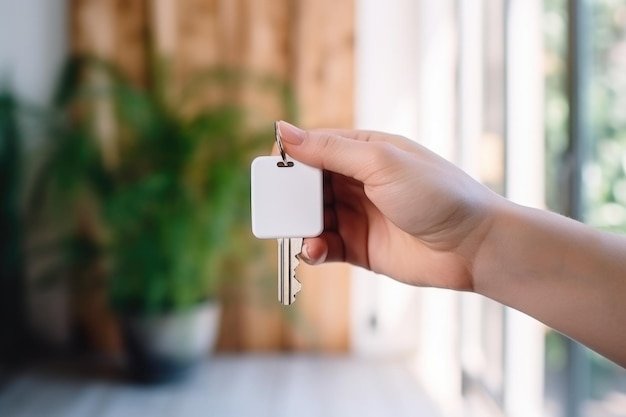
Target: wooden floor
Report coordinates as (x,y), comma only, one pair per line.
(241,386)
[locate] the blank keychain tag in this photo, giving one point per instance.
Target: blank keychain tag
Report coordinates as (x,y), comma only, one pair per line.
(287,200)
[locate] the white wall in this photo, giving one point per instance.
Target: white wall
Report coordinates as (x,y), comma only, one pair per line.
(525,185)
(405,85)
(386,100)
(33,45)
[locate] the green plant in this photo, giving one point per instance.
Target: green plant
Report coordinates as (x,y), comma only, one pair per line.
(171,181)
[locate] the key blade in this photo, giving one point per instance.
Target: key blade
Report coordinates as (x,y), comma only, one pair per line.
(288,285)
(283,271)
(296,249)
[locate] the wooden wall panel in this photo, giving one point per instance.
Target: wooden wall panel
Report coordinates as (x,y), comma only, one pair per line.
(197,44)
(116,30)
(309,43)
(323,68)
(324,62)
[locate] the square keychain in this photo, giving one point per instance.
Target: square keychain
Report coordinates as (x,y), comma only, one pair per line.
(287,199)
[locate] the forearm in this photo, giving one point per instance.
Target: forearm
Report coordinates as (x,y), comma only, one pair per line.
(565,274)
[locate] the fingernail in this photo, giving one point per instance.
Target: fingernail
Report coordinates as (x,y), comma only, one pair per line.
(306,256)
(304,253)
(290,134)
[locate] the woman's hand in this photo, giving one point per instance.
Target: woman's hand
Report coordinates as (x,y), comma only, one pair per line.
(394,207)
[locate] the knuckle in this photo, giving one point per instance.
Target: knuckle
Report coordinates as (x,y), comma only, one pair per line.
(382,159)
(327,144)
(324,140)
(382,153)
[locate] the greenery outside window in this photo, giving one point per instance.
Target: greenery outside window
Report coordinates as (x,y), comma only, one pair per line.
(599,196)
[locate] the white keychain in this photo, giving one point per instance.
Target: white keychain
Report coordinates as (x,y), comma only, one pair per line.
(286,199)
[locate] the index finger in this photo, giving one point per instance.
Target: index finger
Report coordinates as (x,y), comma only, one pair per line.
(372,136)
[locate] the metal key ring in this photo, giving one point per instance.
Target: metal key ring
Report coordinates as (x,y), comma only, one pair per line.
(280,147)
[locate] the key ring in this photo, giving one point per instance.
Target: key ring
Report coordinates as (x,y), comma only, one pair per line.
(279,141)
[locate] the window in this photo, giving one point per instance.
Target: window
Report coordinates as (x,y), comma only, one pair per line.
(586,153)
(468,79)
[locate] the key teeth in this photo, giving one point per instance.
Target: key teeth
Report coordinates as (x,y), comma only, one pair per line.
(295,283)
(296,290)
(287,269)
(296,286)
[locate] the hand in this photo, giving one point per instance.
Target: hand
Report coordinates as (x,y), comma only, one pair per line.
(394,207)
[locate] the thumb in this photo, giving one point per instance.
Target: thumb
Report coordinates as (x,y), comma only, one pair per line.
(330,152)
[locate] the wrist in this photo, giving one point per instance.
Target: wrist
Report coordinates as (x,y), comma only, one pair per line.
(493,262)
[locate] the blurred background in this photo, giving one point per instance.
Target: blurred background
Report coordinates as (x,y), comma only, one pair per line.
(129,279)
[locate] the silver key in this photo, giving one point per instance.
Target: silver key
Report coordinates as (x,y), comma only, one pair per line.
(288,261)
(273,178)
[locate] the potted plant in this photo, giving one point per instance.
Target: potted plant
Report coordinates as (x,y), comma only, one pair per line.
(169,175)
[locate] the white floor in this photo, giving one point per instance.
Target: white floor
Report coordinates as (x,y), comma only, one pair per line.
(242,386)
